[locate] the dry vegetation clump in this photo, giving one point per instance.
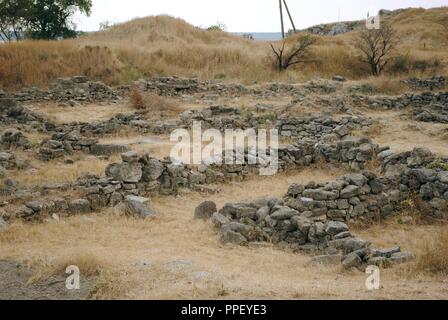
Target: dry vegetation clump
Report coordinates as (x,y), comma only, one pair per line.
(433,258)
(88,265)
(38,63)
(387,85)
(136,99)
(110,285)
(153,103)
(415,210)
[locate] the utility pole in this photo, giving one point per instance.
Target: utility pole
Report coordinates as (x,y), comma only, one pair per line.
(281,18)
(289,15)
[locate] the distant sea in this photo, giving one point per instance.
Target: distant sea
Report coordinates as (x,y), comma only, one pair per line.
(262,36)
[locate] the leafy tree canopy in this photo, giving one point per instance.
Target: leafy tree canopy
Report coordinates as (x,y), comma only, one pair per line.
(40,19)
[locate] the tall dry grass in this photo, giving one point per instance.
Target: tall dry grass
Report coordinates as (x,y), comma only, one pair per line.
(434,255)
(37,63)
(162,45)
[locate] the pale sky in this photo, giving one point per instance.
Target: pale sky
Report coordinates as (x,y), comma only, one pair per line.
(243,15)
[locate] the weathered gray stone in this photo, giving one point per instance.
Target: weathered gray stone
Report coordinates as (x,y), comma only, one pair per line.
(349,245)
(343,235)
(303,224)
(219,220)
(401,257)
(443,177)
(229,236)
(79,206)
(107,149)
(36,206)
(130,156)
(357,179)
(205,210)
(333,227)
(319,194)
(241,228)
(239,210)
(138,207)
(351,261)
(349,192)
(385,253)
(126,172)
(381,262)
(284,213)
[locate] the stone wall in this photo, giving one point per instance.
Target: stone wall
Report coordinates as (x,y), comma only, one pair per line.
(322,127)
(273,221)
(436,82)
(426,106)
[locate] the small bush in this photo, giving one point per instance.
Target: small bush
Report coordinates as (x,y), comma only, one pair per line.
(416,208)
(136,99)
(400,64)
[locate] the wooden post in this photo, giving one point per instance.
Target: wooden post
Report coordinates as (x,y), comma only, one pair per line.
(281,18)
(290,17)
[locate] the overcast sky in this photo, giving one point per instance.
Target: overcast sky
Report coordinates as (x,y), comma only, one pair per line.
(243,15)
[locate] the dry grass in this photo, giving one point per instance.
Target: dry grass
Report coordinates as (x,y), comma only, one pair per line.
(433,258)
(142,259)
(56,171)
(397,130)
(88,265)
(163,45)
(81,113)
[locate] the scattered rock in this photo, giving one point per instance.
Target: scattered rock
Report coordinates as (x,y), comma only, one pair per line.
(138,207)
(205,210)
(327,260)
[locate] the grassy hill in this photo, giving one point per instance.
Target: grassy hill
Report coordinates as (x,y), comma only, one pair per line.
(163,45)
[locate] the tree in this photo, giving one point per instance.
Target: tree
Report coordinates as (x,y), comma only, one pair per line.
(219,26)
(40,19)
(376,47)
(14,16)
(51,19)
(297,54)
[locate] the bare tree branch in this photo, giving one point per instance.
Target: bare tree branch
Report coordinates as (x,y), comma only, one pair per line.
(376,47)
(297,54)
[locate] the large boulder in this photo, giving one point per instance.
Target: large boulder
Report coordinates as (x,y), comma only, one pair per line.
(79,206)
(229,236)
(352,261)
(138,207)
(125,172)
(152,170)
(350,192)
(107,149)
(334,228)
(284,213)
(14,138)
(205,210)
(239,210)
(219,220)
(349,245)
